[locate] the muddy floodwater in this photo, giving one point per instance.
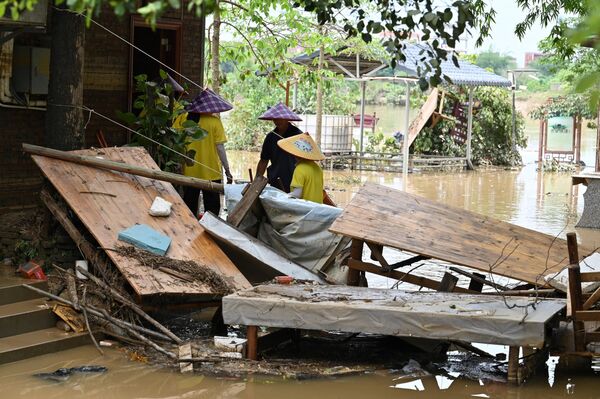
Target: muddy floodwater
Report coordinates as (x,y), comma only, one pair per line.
(541,201)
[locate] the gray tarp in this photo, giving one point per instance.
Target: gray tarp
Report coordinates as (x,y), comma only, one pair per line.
(433,315)
(255,260)
(296,229)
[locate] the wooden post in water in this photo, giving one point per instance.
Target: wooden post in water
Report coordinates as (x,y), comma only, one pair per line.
(356,252)
(252,343)
(574,293)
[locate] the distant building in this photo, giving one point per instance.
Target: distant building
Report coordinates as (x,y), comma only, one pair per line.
(531,56)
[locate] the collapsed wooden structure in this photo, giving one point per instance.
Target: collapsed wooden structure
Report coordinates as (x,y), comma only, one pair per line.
(107,201)
(381,216)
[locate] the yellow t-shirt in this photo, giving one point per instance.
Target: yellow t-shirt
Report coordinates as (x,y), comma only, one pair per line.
(206,148)
(309,176)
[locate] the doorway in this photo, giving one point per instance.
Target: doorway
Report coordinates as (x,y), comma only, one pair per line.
(163,43)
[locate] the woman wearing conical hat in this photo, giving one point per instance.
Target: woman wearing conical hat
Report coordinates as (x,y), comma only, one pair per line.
(282,165)
(209,151)
(307,180)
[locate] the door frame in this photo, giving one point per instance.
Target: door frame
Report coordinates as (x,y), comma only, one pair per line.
(138,22)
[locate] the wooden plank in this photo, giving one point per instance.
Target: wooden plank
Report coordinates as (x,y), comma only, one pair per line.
(377,254)
(104,216)
(415,224)
(423,116)
(408,262)
(479,278)
(409,278)
(587,315)
(248,200)
(591,300)
(513,365)
(252,343)
(590,277)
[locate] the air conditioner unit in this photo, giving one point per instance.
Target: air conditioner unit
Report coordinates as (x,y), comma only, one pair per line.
(34,18)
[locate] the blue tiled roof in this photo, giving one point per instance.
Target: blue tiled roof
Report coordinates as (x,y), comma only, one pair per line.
(467,75)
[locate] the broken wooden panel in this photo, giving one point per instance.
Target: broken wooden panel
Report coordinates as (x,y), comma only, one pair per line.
(412,223)
(433,315)
(107,202)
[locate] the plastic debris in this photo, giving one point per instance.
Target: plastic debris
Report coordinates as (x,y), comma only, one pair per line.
(160,207)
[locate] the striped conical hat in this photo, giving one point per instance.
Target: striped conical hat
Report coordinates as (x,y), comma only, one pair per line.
(208,102)
(280,111)
(177,88)
(301,146)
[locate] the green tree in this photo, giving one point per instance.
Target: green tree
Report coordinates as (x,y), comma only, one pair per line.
(492,125)
(493,60)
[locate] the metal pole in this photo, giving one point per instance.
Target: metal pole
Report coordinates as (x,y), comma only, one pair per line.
(514,113)
(363,86)
(202,46)
(405,145)
(469,128)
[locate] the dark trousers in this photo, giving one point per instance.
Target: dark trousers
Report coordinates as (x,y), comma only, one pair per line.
(211,199)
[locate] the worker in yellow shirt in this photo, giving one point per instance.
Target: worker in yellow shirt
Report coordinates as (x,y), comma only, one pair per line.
(210,155)
(307,180)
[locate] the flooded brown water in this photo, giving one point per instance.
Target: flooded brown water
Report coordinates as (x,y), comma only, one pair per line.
(526,197)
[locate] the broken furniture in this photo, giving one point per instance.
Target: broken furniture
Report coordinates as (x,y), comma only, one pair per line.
(107,201)
(590,217)
(382,216)
(433,315)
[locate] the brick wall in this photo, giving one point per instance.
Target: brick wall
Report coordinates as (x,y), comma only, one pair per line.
(106,74)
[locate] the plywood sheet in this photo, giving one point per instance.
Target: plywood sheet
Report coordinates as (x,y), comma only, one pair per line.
(435,315)
(423,116)
(412,223)
(108,202)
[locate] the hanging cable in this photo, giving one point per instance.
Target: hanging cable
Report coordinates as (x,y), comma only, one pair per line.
(91,111)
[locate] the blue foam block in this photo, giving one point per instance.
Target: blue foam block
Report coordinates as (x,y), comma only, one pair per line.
(145,237)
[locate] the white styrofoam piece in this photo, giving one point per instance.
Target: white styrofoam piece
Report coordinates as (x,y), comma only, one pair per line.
(160,207)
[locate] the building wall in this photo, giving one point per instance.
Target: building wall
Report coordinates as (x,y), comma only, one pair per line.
(106,74)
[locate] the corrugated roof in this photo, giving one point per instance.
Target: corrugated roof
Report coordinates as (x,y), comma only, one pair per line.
(466,75)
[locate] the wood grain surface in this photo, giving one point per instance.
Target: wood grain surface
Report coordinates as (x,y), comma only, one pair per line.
(108,202)
(412,223)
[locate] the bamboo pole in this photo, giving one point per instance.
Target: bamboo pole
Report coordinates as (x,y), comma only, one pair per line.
(96,312)
(129,304)
(123,167)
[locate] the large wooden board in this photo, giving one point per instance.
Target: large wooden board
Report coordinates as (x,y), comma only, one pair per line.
(408,222)
(108,202)
(434,315)
(423,116)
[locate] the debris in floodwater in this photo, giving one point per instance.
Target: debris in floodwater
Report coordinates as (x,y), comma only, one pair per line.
(416,385)
(63,374)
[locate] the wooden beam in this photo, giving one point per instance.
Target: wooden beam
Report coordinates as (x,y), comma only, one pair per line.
(448,283)
(513,365)
(250,197)
(587,315)
(252,343)
(417,280)
(409,261)
(574,292)
(377,254)
(476,277)
(589,277)
(591,300)
(356,252)
(123,167)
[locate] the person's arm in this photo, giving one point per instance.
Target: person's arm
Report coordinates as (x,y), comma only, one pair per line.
(296,192)
(224,162)
(261,168)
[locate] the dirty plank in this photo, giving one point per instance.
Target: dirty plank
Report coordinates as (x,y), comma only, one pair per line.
(104,216)
(412,223)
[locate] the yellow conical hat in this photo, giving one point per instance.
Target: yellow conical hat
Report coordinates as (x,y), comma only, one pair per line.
(301,146)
